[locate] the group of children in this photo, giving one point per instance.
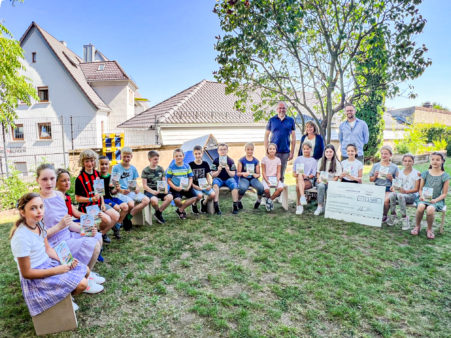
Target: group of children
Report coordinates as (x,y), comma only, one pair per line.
(48,218)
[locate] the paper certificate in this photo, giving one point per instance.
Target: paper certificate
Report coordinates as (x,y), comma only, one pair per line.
(184,182)
(427,194)
(87,223)
(99,186)
(383,172)
(250,168)
(272,181)
(203,184)
(359,203)
(132,185)
(300,168)
(64,254)
(161,187)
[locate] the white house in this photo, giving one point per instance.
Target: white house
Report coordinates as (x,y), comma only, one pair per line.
(79,99)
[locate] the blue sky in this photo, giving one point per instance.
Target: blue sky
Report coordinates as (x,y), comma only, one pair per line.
(167,46)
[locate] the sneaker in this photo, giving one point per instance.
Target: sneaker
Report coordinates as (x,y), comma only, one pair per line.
(93,287)
(74,306)
(106,239)
(299,210)
(159,217)
(100,258)
(195,209)
(181,214)
(203,207)
(217,210)
(384,219)
(116,232)
(302,200)
(391,220)
(318,211)
(240,205)
(257,204)
(405,223)
(268,204)
(127,223)
(272,205)
(235,208)
(96,277)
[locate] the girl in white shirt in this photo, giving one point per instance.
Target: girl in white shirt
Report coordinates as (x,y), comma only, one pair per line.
(404,190)
(45,282)
(352,168)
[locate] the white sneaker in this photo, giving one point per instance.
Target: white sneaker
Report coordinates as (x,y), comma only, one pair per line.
(74,306)
(405,223)
(303,200)
(299,210)
(391,220)
(93,287)
(96,277)
(318,211)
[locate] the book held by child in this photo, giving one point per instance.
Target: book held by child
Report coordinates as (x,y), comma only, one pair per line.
(99,186)
(64,254)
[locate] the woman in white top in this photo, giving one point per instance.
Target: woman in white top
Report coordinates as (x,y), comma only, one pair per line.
(329,169)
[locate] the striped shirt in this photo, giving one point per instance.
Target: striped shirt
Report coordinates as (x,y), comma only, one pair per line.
(175,172)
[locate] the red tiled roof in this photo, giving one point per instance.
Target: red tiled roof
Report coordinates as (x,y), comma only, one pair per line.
(204,103)
(111,71)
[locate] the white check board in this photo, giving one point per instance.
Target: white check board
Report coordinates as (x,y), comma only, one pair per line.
(359,203)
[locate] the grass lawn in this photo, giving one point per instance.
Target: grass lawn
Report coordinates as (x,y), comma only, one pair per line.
(257,274)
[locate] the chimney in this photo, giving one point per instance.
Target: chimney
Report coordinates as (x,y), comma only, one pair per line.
(89,52)
(64,43)
(427,104)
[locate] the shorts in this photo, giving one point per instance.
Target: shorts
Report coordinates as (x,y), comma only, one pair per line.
(159,196)
(266,186)
(131,197)
(180,194)
(113,201)
(230,183)
(205,192)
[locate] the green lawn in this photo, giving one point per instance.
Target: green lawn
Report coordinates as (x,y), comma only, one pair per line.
(257,274)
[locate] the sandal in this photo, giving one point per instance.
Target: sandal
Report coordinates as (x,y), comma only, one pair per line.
(415,231)
(430,234)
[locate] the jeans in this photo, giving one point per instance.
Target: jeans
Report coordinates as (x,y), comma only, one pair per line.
(283,159)
(321,188)
(244,183)
(402,199)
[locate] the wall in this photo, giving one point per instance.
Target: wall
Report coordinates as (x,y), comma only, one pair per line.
(429,115)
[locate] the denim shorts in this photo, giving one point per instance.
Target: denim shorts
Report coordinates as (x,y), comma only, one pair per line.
(205,192)
(230,183)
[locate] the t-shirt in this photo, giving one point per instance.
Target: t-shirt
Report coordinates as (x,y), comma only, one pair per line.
(223,175)
(26,243)
(108,188)
(84,186)
(281,131)
(409,181)
(392,169)
(176,172)
(153,176)
(352,167)
(309,165)
(199,171)
(271,165)
(435,182)
(312,141)
(244,162)
(338,169)
(127,175)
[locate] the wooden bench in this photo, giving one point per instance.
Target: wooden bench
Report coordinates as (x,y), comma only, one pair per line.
(311,194)
(60,317)
(442,224)
(143,217)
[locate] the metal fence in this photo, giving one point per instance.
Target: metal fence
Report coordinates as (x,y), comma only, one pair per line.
(35,140)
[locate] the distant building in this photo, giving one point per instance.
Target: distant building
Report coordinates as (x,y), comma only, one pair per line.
(79,99)
(425,114)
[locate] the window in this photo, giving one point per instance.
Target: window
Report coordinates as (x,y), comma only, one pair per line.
(101,67)
(17,132)
(45,131)
(43,93)
(22,167)
(33,57)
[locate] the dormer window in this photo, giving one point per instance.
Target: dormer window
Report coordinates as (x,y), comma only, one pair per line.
(101,67)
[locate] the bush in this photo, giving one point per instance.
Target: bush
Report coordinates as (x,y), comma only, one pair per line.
(448,149)
(12,188)
(435,131)
(423,137)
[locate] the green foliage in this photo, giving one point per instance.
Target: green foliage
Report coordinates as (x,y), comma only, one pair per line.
(439,106)
(308,53)
(13,86)
(435,131)
(414,140)
(448,149)
(424,137)
(12,188)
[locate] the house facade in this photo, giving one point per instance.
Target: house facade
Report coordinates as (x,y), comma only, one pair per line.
(79,99)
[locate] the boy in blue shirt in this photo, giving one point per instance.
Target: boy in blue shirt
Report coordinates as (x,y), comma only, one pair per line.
(126,191)
(180,180)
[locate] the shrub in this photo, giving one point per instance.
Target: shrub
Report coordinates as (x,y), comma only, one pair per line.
(448,149)
(12,188)
(423,137)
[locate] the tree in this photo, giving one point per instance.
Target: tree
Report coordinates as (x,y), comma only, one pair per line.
(13,86)
(285,49)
